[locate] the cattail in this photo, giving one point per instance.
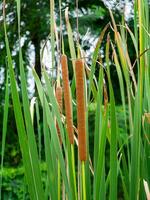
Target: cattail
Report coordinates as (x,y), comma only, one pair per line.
(67,98)
(79,68)
(105,99)
(58,94)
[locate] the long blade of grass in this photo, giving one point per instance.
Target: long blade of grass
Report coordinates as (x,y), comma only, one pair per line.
(27,159)
(94,58)
(98,118)
(113,141)
(47,143)
(21,127)
(52,31)
(99,171)
(28,120)
(125,69)
(71,169)
(4,130)
(71,47)
(51,124)
(39,128)
(135,150)
(55,105)
(56,145)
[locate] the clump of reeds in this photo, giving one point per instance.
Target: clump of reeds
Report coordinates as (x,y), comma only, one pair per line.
(67,98)
(79,68)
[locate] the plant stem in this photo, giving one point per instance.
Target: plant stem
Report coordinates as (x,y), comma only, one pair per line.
(83,180)
(59,180)
(73,169)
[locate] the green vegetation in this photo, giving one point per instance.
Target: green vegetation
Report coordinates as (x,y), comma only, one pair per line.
(114,161)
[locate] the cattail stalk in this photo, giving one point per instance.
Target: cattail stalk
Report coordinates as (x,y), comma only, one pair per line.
(67,98)
(58,94)
(81,122)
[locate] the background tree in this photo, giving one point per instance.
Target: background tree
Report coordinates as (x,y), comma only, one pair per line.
(35,27)
(35,23)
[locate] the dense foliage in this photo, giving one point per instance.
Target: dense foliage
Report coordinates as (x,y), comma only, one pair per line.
(105,153)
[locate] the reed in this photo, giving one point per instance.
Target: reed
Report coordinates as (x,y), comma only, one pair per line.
(79,68)
(67,98)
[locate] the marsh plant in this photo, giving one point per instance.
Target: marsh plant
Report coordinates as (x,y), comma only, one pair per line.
(115,165)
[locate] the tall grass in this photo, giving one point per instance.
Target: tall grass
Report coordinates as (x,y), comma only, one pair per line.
(119,165)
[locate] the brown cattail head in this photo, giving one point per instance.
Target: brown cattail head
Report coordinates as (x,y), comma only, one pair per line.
(67,98)
(105,99)
(58,94)
(81,123)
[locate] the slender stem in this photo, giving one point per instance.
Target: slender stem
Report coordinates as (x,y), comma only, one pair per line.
(73,169)
(63,49)
(60,17)
(52,32)
(59,180)
(77,21)
(59,44)
(83,180)
(78,36)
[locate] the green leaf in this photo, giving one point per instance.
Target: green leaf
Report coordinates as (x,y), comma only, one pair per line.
(4,130)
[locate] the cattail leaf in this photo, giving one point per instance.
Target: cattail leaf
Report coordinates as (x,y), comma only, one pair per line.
(70,39)
(114,130)
(53,101)
(32,104)
(21,128)
(95,56)
(71,47)
(4,129)
(99,169)
(39,128)
(98,117)
(48,154)
(51,124)
(28,121)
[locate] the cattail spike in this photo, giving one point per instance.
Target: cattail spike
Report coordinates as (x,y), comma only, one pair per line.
(58,94)
(67,98)
(105,98)
(81,122)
